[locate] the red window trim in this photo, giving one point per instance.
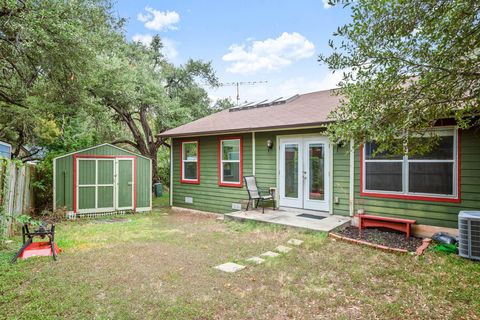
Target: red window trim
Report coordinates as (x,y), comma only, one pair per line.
(190,181)
(219,162)
(93,156)
(457,199)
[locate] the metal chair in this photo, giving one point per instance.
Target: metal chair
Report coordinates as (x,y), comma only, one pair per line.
(41,232)
(255,194)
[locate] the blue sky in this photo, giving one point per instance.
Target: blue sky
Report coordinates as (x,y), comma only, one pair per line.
(263,40)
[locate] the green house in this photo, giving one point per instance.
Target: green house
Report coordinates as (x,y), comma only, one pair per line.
(102,179)
(283,144)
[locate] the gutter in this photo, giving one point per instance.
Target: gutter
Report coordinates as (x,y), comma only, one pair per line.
(246,130)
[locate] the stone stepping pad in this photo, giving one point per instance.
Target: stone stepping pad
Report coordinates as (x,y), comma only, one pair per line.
(283,249)
(230,267)
(295,242)
(256,260)
(270,254)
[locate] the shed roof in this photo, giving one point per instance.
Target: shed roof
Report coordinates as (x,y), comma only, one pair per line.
(100,145)
(308,109)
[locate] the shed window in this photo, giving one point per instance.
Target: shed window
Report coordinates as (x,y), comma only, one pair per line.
(433,174)
(190,162)
(230,162)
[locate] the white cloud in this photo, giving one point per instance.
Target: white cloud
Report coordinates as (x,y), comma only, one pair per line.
(268,55)
(326,5)
(159,20)
(169,49)
(144,39)
(169,46)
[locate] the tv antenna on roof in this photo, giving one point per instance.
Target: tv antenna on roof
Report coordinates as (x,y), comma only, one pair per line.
(241,83)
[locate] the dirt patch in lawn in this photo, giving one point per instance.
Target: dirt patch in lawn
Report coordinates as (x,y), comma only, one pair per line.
(382,237)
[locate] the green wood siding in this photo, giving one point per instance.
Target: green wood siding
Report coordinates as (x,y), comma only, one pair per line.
(208,196)
(428,212)
(64,177)
(341,179)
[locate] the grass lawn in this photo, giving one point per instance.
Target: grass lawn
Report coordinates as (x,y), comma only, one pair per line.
(159,266)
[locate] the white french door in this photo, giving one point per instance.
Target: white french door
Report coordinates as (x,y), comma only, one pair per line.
(303,172)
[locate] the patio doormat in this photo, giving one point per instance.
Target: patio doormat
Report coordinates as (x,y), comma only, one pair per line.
(311,216)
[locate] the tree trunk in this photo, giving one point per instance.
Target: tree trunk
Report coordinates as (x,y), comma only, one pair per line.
(155,176)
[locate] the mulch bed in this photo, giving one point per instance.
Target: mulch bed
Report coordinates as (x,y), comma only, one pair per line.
(382,237)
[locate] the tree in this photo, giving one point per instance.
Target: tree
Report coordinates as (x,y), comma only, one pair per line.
(47,50)
(406,64)
(148,95)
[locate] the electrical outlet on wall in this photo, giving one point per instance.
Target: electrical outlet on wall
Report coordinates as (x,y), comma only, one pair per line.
(188,200)
(337,200)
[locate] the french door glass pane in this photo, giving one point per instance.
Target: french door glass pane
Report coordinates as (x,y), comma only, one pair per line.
(383,176)
(430,177)
(291,170)
(317,178)
(231,172)
(190,170)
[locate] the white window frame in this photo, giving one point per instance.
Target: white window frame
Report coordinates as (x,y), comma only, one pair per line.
(96,185)
(222,162)
(190,161)
(405,169)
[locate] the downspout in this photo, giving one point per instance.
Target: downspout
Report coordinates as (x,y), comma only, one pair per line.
(171,173)
(352,178)
(253,153)
(330,174)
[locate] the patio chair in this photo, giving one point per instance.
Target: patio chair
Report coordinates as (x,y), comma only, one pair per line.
(254,193)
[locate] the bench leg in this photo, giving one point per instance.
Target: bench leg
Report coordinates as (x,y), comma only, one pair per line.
(408,231)
(360,226)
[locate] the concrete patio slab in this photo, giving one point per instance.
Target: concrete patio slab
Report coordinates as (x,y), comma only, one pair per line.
(283,249)
(229,267)
(256,260)
(270,254)
(290,217)
(295,242)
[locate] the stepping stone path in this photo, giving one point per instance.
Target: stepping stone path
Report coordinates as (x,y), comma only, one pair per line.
(283,249)
(230,267)
(256,260)
(295,242)
(270,254)
(234,267)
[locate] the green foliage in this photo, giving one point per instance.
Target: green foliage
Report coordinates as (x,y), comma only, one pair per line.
(71,80)
(25,219)
(406,64)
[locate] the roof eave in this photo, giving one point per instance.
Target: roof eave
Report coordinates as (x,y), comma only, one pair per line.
(243,130)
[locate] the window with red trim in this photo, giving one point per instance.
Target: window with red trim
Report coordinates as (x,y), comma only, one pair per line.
(433,175)
(190,162)
(230,156)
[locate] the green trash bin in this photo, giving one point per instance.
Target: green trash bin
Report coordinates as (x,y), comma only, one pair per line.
(158,189)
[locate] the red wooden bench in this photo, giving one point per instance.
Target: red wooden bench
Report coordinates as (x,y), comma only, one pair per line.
(403,225)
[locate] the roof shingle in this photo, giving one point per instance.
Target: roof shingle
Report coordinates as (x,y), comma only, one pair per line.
(306,110)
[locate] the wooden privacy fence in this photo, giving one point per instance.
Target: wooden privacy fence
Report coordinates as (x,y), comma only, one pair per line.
(16,195)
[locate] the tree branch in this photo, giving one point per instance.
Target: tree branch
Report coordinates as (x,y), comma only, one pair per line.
(125,141)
